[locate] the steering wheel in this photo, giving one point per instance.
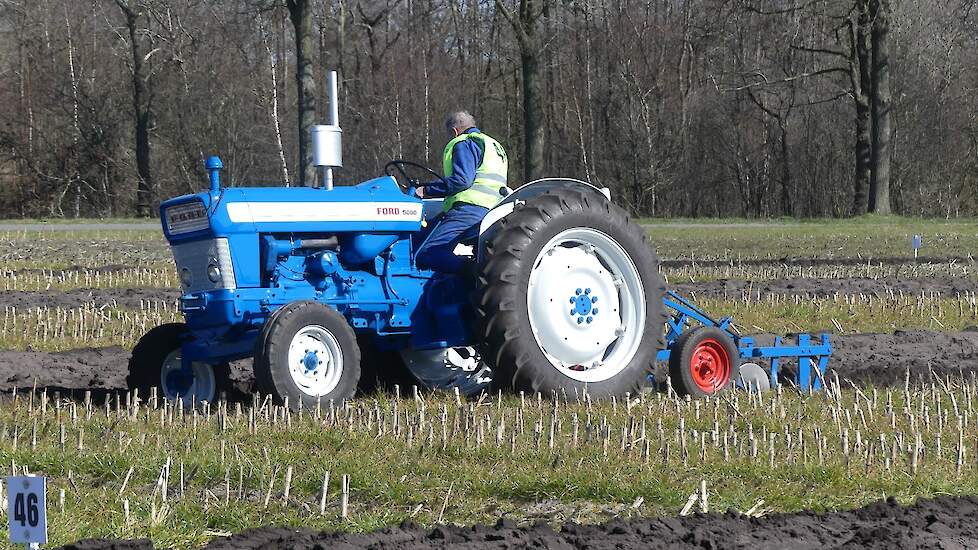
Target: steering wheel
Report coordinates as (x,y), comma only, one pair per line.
(409,183)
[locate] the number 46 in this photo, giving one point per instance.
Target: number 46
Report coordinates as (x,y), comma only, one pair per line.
(26,510)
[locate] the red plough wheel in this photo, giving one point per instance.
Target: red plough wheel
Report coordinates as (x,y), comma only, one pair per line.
(702,361)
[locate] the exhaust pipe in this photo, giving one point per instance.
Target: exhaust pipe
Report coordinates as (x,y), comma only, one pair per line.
(327,140)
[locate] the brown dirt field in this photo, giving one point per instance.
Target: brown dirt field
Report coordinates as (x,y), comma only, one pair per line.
(128,298)
(878,359)
(736,289)
(944,522)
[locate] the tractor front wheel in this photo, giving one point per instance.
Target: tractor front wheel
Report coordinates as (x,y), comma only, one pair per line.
(306,353)
(702,362)
(156,363)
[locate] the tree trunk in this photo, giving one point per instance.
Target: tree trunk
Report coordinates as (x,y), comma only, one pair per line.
(300,12)
(276,125)
(861,88)
(527,26)
(533,114)
(880,182)
(786,206)
(141,101)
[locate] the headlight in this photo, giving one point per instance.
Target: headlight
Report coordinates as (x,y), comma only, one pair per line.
(185,277)
(214,273)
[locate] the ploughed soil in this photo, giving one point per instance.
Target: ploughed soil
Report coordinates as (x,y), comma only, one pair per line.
(885,359)
(878,359)
(74,371)
(813,262)
(944,522)
(128,298)
(737,288)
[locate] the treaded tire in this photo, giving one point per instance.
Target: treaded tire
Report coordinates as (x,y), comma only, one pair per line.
(509,345)
(146,361)
(260,368)
(681,360)
(272,374)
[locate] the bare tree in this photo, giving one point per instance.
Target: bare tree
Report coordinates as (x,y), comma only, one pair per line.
(879,186)
(860,56)
(142,103)
(273,109)
(700,107)
(527,24)
(301,14)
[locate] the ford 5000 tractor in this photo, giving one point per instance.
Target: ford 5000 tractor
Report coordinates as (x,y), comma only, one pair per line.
(565,292)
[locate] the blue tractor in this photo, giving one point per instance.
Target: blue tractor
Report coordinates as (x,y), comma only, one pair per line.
(565,294)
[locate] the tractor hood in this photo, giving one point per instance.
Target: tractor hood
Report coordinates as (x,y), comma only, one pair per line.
(377,205)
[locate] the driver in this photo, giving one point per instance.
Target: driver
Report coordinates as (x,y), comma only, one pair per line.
(475,168)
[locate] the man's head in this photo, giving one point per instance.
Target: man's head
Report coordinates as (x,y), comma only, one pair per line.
(458,122)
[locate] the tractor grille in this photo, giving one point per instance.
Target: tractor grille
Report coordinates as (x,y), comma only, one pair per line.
(186,218)
(195,258)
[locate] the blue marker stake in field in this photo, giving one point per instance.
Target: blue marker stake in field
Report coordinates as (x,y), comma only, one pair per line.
(916,242)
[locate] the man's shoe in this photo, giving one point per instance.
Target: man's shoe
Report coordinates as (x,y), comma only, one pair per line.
(462,357)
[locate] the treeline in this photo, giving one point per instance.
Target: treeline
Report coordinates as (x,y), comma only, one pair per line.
(684,108)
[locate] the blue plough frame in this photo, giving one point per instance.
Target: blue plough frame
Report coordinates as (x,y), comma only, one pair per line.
(812,355)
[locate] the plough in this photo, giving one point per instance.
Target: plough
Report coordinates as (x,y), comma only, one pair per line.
(811,353)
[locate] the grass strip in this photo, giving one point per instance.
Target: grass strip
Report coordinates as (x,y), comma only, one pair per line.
(527,459)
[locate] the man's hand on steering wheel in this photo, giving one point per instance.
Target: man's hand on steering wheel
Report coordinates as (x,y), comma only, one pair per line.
(409,183)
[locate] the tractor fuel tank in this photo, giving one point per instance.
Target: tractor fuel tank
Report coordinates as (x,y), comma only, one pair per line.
(360,248)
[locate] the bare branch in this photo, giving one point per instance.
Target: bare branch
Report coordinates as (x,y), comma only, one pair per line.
(766,82)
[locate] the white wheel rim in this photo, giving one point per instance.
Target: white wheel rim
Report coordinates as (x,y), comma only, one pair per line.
(200,384)
(315,361)
(586,305)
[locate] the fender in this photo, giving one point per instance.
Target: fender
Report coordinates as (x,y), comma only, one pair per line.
(535,188)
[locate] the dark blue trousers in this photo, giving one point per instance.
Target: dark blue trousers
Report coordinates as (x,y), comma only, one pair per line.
(438,250)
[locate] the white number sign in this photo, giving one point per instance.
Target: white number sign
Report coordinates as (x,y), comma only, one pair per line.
(26,509)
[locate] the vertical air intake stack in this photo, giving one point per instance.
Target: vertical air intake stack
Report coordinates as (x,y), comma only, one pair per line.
(327,140)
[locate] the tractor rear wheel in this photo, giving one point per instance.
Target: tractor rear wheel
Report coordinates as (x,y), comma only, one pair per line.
(306,353)
(571,298)
(156,363)
(702,362)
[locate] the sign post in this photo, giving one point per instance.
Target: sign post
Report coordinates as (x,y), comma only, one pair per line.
(27,510)
(916,242)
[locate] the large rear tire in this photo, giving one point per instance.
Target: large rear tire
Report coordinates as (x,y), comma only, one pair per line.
(571,298)
(306,353)
(156,363)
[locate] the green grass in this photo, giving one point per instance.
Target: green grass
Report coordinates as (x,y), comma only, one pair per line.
(829,239)
(410,471)
(76,221)
(788,314)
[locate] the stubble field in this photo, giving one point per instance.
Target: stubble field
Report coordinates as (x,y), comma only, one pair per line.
(900,422)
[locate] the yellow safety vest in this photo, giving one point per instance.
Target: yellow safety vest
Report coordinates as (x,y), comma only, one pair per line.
(490,176)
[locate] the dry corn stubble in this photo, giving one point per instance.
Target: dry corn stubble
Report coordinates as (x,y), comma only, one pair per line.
(240,465)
